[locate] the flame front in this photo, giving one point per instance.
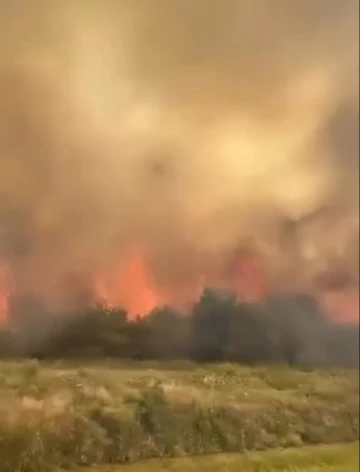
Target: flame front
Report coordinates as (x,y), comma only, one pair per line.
(131,285)
(4,293)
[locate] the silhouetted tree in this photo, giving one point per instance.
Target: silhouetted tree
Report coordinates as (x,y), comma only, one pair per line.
(167,334)
(251,338)
(211,321)
(288,328)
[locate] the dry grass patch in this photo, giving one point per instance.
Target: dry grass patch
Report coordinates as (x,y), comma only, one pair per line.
(63,416)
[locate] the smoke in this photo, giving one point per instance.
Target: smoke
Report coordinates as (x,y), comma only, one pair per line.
(177,127)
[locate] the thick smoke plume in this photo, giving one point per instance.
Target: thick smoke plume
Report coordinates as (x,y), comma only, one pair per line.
(143,142)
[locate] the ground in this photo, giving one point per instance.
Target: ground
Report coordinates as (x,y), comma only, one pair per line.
(64,415)
(337,458)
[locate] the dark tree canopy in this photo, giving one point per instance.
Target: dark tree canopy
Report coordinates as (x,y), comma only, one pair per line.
(218,328)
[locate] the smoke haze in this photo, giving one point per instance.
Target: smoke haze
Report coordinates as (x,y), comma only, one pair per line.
(170,131)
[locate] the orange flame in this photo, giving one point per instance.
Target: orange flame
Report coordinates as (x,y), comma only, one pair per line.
(4,293)
(132,286)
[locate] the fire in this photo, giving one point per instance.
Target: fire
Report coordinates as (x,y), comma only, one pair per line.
(248,276)
(131,285)
(3,305)
(4,293)
(339,297)
(342,305)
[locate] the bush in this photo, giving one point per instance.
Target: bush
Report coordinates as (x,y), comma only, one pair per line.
(39,436)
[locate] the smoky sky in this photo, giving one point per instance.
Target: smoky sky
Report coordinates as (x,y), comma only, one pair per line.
(180,125)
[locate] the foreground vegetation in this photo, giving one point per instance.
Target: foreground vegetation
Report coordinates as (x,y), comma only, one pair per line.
(338,458)
(60,415)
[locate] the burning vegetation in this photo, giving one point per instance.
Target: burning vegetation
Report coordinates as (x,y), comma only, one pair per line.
(150,152)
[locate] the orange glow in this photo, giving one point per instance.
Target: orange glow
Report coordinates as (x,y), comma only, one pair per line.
(342,305)
(248,276)
(132,286)
(4,293)
(339,297)
(3,306)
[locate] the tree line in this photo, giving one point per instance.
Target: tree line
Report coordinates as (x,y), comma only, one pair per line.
(219,328)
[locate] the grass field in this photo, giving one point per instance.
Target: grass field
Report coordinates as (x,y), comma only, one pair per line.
(66,415)
(338,458)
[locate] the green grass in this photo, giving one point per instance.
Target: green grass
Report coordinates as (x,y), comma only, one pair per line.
(66,415)
(338,458)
